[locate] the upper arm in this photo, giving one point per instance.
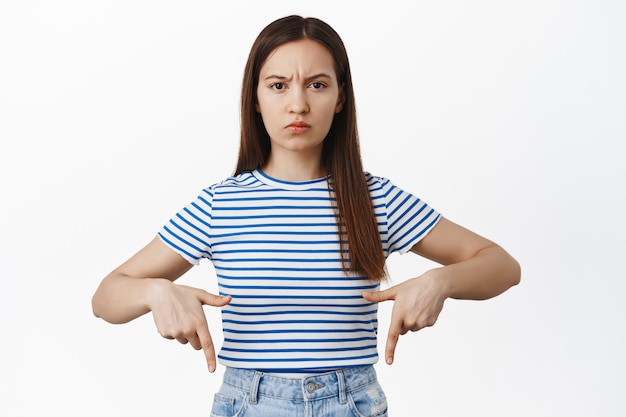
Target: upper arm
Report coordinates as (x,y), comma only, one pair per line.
(155,260)
(449,243)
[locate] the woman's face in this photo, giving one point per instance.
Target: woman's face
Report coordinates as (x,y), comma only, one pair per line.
(298,96)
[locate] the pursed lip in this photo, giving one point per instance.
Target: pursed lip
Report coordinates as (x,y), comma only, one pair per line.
(298,127)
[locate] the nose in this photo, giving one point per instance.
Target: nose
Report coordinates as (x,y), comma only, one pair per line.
(298,103)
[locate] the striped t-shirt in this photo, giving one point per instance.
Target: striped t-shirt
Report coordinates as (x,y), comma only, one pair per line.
(275,249)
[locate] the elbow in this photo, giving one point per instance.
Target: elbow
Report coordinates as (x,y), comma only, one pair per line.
(509,271)
(99,311)
(515,274)
(95,306)
(101,303)
(99,308)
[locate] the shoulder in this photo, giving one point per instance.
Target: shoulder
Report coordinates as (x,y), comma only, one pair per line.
(385,189)
(377,184)
(245,180)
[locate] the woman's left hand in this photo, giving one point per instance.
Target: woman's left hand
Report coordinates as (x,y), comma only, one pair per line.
(417,304)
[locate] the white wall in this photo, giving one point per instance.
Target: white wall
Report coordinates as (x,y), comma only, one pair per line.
(505,116)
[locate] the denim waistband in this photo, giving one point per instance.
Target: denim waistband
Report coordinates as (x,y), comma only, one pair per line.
(307,388)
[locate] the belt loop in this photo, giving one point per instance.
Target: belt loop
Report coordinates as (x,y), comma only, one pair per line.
(254,388)
(342,387)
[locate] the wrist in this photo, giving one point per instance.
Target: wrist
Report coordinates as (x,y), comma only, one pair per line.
(154,291)
(442,281)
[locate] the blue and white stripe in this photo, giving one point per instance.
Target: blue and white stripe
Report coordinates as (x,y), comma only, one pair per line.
(275,249)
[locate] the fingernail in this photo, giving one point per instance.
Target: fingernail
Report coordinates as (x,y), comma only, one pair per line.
(389,360)
(211,368)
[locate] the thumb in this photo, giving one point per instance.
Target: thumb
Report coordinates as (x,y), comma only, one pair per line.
(213,300)
(378,296)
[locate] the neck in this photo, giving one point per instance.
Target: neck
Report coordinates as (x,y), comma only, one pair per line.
(294,169)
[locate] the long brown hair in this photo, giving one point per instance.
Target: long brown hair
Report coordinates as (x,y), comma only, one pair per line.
(341,156)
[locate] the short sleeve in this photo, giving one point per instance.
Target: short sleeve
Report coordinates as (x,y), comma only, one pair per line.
(188,232)
(408,218)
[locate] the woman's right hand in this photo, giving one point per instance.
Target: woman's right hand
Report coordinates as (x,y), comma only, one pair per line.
(178,314)
(145,283)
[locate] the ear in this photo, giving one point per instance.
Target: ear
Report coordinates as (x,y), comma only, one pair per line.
(340,100)
(257,107)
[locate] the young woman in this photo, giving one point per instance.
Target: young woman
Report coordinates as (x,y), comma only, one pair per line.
(298,237)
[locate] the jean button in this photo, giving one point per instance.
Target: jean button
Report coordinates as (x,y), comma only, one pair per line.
(311,387)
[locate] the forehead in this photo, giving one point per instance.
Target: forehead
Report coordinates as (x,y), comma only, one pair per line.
(302,56)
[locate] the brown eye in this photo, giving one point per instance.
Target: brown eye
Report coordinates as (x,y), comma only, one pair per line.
(278,86)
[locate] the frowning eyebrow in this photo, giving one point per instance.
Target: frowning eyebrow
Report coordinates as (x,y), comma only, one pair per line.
(312,77)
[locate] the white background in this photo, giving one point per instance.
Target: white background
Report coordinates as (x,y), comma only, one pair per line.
(507,116)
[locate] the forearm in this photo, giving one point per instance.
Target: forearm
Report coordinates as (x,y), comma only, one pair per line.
(128,291)
(487,274)
(121,298)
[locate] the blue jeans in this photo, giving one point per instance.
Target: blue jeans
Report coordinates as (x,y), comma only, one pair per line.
(350,392)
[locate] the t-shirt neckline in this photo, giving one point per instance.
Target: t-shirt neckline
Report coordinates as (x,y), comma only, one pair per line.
(290,185)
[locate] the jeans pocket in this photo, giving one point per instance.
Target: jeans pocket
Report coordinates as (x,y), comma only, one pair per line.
(368,401)
(229,402)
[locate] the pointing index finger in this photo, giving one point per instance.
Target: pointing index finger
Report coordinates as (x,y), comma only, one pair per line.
(395,330)
(206,341)
(390,348)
